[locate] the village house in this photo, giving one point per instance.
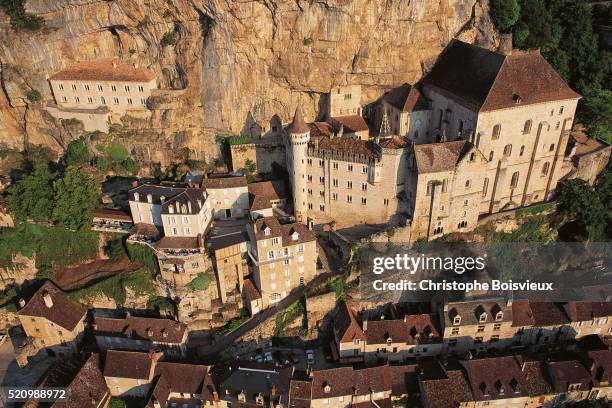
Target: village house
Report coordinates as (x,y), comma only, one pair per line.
(385,339)
(265,196)
(476,326)
(284,256)
(54,322)
(587,317)
(124,331)
(229,195)
(82,379)
(248,384)
(129,373)
(116,221)
(345,113)
(100,92)
(230,261)
(539,324)
(251,297)
(181,259)
(406,111)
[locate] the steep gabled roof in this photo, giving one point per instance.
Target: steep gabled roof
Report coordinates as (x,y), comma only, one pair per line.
(437,157)
(62,311)
(483,80)
(346,325)
(406,98)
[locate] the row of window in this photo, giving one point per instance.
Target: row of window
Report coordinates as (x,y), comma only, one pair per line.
(349,184)
(526,127)
(335,165)
(90,100)
(100,87)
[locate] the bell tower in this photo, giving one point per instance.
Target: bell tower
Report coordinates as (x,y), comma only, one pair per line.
(299,136)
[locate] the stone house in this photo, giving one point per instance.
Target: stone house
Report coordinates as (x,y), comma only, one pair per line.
(540,323)
(53,321)
(587,318)
(135,333)
(230,261)
(229,195)
(181,259)
(129,373)
(383,340)
(251,297)
(100,92)
(283,257)
(476,326)
(265,196)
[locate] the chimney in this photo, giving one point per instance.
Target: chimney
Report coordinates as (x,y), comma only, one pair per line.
(505,44)
(48,300)
(365,324)
(189,206)
(22,302)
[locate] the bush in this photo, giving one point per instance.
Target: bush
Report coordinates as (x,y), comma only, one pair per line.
(34,96)
(169,38)
(20,19)
(505,13)
(117,152)
(115,249)
(144,254)
(200,282)
(102,163)
(131,165)
(76,153)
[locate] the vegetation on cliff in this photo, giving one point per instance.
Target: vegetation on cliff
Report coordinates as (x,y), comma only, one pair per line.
(20,19)
(566,33)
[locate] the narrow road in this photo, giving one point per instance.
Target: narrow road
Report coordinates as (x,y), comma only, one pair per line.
(225,341)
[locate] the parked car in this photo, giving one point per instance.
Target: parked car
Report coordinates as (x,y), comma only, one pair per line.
(310,357)
(259,358)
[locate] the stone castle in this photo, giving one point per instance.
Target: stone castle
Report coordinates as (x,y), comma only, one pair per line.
(481,133)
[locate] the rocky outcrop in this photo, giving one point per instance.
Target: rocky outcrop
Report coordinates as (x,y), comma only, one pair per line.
(232,60)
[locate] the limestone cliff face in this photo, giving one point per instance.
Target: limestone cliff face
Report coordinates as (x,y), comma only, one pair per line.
(236,61)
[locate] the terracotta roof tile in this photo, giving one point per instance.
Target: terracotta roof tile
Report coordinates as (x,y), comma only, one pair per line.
(321,129)
(483,80)
(285,231)
(436,157)
(351,123)
(406,98)
(62,311)
(298,125)
(88,388)
(224,182)
(103,70)
(346,325)
(394,142)
(586,311)
(496,378)
(250,291)
(347,146)
(128,364)
(142,328)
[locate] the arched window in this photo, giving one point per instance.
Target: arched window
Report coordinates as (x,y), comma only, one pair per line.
(507,150)
(522,151)
(545,169)
(527,127)
(514,180)
(496,131)
(551,148)
(468,183)
(491,156)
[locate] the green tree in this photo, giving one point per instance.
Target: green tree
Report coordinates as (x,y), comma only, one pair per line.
(131,165)
(77,153)
(33,196)
(534,27)
(596,112)
(117,152)
(505,13)
(76,195)
(579,201)
(102,163)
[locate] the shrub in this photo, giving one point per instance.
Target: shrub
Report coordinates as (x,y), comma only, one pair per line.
(76,153)
(131,165)
(117,152)
(34,96)
(20,19)
(115,249)
(307,41)
(102,163)
(200,282)
(169,38)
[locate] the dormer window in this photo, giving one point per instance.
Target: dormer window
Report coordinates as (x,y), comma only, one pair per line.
(137,196)
(326,387)
(514,385)
(171,209)
(389,341)
(259,400)
(483,317)
(149,198)
(295,236)
(457,320)
(241,396)
(267,231)
(483,388)
(162,199)
(499,315)
(499,387)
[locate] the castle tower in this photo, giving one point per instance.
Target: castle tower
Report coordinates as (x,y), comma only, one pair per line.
(299,136)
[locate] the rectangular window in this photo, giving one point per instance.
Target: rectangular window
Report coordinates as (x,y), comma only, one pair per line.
(386,201)
(61,87)
(100,88)
(77,99)
(364,187)
(334,196)
(349,198)
(349,184)
(275,241)
(321,180)
(363,201)
(64,99)
(116,100)
(102,100)
(140,88)
(350,167)
(497,326)
(74,87)
(185,220)
(113,88)
(187,231)
(129,100)
(89,99)
(335,165)
(86,86)
(127,88)
(364,169)
(286,261)
(335,182)
(143,101)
